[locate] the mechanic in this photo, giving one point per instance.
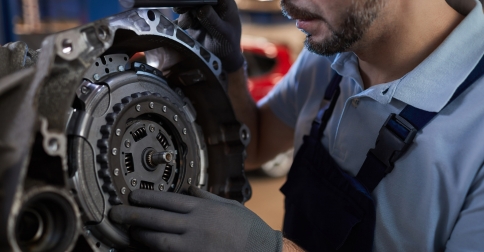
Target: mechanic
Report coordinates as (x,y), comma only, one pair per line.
(405,72)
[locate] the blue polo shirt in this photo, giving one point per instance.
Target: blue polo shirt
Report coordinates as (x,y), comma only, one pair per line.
(434,198)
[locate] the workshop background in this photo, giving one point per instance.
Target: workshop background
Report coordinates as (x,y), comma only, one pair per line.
(270,43)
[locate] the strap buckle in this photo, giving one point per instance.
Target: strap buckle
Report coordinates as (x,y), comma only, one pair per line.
(395,137)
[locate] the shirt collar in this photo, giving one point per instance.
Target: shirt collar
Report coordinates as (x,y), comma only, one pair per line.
(433,82)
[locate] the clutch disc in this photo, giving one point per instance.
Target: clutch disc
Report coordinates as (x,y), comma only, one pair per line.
(144,137)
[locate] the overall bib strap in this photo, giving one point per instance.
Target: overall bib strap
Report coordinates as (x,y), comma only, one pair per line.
(397,134)
(331,94)
(325,208)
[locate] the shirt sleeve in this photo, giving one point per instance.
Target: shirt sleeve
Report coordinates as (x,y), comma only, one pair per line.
(468,232)
(288,97)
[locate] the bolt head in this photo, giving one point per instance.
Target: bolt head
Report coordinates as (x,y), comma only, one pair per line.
(116,172)
(114,151)
(189,181)
(175,117)
(184,131)
(152,128)
(123,190)
(84,90)
(120,68)
(118,132)
(164,108)
(161,187)
(127,143)
(192,164)
(133,182)
(96,77)
(138,108)
(152,105)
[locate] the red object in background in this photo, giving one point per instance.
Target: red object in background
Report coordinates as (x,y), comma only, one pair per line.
(267,64)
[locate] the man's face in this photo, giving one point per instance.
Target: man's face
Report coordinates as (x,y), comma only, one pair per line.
(332,26)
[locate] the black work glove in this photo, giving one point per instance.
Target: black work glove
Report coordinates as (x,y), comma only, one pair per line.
(217,28)
(200,222)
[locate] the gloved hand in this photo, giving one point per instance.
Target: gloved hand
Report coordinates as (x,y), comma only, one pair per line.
(217,28)
(203,221)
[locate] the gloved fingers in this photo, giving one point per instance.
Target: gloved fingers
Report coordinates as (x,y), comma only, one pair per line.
(149,218)
(163,200)
(195,191)
(211,20)
(186,21)
(222,7)
(181,10)
(158,241)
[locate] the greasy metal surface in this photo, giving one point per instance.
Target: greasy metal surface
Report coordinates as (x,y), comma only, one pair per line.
(36,106)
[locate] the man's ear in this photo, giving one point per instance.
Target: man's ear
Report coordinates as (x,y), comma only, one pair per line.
(462,6)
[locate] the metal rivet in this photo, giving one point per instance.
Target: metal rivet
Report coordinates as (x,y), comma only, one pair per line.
(164,108)
(84,90)
(133,182)
(96,76)
(244,135)
(88,232)
(54,145)
(67,47)
(192,163)
(152,105)
(172,186)
(127,143)
(161,187)
(175,117)
(118,132)
(138,108)
(189,181)
(121,68)
(152,128)
(114,151)
(123,190)
(116,172)
(184,131)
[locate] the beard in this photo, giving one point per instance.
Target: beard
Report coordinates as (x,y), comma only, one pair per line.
(357,20)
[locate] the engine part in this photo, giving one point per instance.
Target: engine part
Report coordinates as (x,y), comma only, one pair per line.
(163,3)
(86,126)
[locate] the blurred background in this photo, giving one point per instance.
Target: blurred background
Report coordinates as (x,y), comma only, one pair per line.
(270,44)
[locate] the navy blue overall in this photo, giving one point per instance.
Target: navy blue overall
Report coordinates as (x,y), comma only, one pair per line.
(329,210)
